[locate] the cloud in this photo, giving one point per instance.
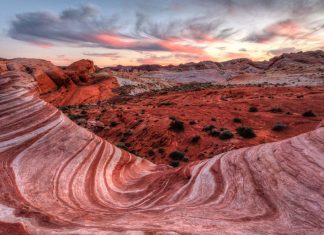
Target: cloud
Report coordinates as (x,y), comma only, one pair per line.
(287,28)
(85,27)
(292,8)
(82,13)
(74,25)
(200,29)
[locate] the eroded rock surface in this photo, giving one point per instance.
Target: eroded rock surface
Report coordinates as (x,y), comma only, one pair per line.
(58,178)
(81,71)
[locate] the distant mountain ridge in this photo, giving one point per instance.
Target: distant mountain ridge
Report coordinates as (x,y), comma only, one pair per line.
(308,57)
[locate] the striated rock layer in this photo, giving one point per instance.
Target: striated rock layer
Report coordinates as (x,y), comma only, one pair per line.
(58,178)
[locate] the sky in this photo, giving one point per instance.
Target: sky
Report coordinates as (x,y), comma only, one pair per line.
(133,32)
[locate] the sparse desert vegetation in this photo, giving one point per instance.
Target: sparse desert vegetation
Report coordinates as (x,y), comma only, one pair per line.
(246,132)
(225,135)
(309,114)
(160,129)
(253,109)
(279,127)
(176,125)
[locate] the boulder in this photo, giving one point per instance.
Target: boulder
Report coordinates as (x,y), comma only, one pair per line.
(81,71)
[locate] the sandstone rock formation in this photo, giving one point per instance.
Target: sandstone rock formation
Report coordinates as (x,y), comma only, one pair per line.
(80,71)
(48,76)
(63,87)
(286,60)
(58,178)
(302,68)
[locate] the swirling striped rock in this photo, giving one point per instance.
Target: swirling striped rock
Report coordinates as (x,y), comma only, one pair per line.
(58,178)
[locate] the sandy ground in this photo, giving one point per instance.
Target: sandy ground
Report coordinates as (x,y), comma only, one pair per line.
(142,122)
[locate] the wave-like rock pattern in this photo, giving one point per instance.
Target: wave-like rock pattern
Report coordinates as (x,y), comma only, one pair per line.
(58,178)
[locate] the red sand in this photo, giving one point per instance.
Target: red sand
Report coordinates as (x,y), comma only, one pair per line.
(143,121)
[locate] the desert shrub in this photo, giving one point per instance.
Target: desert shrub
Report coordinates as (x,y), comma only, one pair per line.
(161,150)
(174,163)
(83,112)
(176,126)
(225,135)
(237,120)
(309,114)
(185,159)
(166,103)
(75,116)
(195,139)
(253,109)
(279,127)
(213,133)
(128,133)
(134,152)
(150,152)
(177,155)
(276,110)
(64,108)
(245,132)
(121,145)
(208,128)
(192,122)
(213,119)
(113,124)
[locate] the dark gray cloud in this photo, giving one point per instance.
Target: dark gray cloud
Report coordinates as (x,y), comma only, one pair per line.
(81,13)
(298,8)
(75,25)
(79,26)
(196,28)
(85,26)
(259,37)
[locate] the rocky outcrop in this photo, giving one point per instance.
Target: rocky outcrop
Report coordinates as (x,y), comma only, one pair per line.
(81,71)
(58,178)
(297,61)
(49,76)
(312,61)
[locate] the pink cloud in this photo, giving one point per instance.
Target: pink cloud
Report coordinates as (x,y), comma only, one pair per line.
(116,41)
(42,44)
(175,45)
(287,28)
(170,44)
